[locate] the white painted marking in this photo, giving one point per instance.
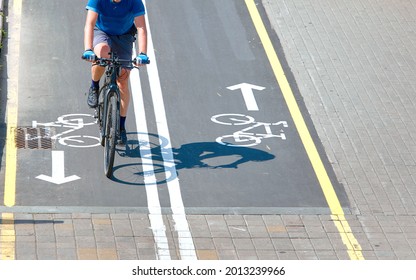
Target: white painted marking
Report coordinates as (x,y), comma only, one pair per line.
(155,212)
(248,94)
(58,170)
(186,245)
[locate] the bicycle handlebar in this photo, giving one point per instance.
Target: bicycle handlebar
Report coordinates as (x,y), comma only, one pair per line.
(115,61)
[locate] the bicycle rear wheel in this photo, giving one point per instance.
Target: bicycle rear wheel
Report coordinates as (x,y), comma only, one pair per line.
(110,134)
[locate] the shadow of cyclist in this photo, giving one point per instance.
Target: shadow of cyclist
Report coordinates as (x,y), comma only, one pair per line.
(193,155)
(213,155)
(209,155)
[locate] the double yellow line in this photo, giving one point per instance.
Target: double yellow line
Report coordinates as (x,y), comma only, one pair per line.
(7,230)
(338,216)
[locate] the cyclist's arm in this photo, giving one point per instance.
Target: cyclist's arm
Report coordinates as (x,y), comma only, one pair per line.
(89,29)
(140,23)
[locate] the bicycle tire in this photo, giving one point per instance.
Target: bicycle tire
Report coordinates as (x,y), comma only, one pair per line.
(100,113)
(110,134)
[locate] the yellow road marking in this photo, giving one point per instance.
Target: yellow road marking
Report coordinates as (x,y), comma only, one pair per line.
(353,247)
(7,230)
(11,153)
(12,102)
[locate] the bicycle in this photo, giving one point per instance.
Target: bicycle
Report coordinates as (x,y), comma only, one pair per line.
(108,109)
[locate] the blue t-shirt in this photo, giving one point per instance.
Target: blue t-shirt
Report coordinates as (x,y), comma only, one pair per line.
(116,18)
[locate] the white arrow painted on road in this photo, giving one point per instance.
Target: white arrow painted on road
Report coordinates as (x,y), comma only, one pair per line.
(248,94)
(58,170)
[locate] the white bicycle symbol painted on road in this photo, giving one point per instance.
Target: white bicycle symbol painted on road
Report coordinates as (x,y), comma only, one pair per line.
(244,137)
(74,122)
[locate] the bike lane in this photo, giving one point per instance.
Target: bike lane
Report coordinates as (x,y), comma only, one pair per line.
(219,89)
(59,161)
(217,86)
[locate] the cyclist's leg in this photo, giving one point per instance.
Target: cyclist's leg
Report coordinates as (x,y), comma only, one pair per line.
(123,46)
(123,84)
(102,47)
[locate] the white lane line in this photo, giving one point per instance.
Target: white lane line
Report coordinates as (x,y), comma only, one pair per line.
(186,245)
(155,212)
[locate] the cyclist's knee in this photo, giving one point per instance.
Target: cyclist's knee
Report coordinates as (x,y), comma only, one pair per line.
(102,50)
(123,78)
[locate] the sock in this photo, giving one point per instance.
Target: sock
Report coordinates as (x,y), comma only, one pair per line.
(95,84)
(122,122)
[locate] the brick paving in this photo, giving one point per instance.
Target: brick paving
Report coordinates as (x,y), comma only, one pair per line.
(354,63)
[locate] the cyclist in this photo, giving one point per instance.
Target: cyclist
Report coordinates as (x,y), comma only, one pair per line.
(112,25)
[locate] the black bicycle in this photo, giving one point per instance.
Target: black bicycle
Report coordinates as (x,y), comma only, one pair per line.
(108,109)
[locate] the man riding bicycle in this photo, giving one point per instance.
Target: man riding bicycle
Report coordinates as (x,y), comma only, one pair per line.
(112,25)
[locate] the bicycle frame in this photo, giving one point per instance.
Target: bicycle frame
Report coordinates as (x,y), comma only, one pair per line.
(112,71)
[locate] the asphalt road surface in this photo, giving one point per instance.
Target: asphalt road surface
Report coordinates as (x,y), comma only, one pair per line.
(209,130)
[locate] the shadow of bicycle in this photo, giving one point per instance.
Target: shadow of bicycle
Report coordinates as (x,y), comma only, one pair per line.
(158,163)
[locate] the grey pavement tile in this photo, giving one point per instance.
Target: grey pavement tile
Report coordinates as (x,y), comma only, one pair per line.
(25,238)
(64,229)
(65,242)
(225,254)
(385,255)
(104,238)
(223,243)
(235,220)
(105,245)
(144,242)
(258,231)
(66,253)
(266,255)
(302,244)
(321,244)
(99,216)
(147,254)
(282,244)
(316,231)
(203,243)
(125,242)
(83,227)
(263,244)
(243,244)
(306,255)
(84,241)
(239,231)
(141,227)
(326,255)
(24,229)
(216,222)
(292,220)
(25,251)
(45,238)
(287,255)
(247,255)
(119,216)
(122,227)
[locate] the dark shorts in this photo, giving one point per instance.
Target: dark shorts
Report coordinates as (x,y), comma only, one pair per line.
(122,45)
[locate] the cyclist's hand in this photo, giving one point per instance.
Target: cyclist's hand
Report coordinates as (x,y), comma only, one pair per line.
(89,55)
(142,58)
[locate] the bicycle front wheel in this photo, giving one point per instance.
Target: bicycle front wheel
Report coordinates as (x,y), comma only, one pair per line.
(110,135)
